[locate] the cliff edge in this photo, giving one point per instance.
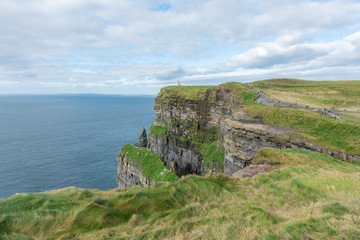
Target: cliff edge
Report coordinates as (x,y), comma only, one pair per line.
(219,129)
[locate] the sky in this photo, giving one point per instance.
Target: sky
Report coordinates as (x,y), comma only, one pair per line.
(136,47)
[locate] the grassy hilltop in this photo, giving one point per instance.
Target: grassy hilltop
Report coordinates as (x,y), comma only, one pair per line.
(342,95)
(304,195)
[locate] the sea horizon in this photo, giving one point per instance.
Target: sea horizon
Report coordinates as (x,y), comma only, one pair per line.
(55,141)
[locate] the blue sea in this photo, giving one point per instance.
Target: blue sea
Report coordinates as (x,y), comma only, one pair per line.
(55,141)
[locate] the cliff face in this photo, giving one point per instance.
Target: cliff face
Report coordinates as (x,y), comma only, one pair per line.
(215,116)
(203,129)
(193,142)
(138,166)
(195,138)
(129,175)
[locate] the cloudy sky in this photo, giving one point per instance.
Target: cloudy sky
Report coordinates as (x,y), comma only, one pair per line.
(139,46)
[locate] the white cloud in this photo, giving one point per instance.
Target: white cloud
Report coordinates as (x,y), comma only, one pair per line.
(104,42)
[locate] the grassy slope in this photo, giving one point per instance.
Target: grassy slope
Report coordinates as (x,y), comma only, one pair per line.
(149,163)
(322,94)
(305,196)
(332,133)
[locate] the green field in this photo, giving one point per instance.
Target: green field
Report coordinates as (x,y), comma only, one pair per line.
(305,196)
(319,94)
(332,133)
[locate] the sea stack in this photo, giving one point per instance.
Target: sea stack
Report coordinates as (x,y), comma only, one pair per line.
(143,138)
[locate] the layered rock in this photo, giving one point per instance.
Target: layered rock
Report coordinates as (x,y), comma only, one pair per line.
(209,131)
(218,110)
(138,166)
(177,156)
(192,124)
(243,140)
(129,174)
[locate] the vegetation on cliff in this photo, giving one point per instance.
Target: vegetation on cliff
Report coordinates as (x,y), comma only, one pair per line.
(305,196)
(213,154)
(188,93)
(158,130)
(193,132)
(336,134)
(149,163)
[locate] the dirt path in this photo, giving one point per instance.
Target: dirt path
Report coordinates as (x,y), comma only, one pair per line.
(263,99)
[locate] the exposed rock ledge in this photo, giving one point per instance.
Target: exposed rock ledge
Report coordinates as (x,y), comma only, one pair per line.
(130,175)
(243,140)
(190,129)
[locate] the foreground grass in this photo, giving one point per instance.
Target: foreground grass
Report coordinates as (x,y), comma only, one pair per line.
(305,196)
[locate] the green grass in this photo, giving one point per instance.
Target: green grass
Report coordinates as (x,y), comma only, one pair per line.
(158,130)
(336,134)
(245,94)
(307,196)
(213,154)
(173,93)
(328,132)
(325,94)
(149,163)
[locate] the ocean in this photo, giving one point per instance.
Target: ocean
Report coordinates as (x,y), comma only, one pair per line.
(55,141)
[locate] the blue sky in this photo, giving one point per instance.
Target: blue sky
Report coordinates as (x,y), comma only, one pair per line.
(137,47)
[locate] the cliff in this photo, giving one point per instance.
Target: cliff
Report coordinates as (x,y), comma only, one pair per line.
(303,194)
(192,122)
(205,129)
(138,166)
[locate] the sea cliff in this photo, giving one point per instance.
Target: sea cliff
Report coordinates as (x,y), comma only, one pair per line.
(211,129)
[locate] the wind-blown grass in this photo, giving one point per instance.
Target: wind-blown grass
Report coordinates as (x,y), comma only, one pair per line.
(309,196)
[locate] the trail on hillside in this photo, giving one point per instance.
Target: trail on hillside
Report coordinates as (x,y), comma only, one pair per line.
(263,99)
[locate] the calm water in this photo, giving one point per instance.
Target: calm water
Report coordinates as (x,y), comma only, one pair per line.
(50,142)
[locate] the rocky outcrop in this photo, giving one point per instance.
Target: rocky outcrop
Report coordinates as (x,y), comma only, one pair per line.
(243,140)
(220,111)
(138,166)
(176,155)
(129,174)
(143,138)
(209,131)
(192,124)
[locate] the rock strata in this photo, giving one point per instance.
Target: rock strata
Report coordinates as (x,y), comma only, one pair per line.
(243,140)
(129,175)
(210,132)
